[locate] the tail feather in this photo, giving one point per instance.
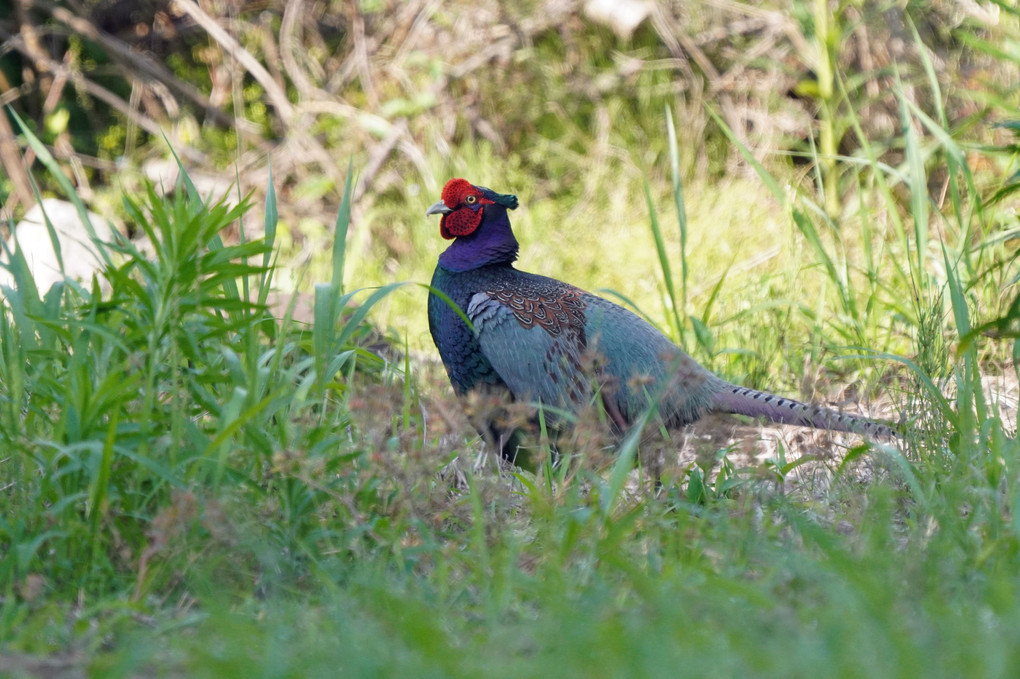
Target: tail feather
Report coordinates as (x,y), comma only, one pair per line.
(743,401)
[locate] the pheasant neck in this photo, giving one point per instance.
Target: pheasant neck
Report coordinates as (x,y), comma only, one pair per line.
(492,242)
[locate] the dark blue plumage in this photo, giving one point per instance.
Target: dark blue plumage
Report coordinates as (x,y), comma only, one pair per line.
(539,340)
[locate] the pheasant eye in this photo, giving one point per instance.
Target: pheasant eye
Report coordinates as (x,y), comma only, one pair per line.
(470,200)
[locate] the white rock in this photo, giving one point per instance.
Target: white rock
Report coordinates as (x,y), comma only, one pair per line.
(623,16)
(81,259)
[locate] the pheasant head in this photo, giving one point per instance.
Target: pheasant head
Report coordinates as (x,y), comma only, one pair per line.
(475,218)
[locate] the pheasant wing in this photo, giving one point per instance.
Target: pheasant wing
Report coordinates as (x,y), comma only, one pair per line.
(535,341)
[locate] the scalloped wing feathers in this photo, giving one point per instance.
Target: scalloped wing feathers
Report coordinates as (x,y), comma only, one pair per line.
(554,343)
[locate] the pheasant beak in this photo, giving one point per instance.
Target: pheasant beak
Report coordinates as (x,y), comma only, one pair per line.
(438,209)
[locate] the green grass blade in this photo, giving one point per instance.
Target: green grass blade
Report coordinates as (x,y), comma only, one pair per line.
(918,189)
(343,223)
(626,455)
(954,159)
(678,201)
(100,488)
(272,217)
(773,186)
(667,272)
(183,178)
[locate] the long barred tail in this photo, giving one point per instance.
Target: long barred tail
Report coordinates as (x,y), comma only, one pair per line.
(754,403)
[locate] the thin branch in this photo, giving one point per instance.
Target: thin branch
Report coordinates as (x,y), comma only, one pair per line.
(288,47)
(10,158)
(277,97)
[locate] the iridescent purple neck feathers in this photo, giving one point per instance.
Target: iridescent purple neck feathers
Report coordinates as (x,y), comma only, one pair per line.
(492,243)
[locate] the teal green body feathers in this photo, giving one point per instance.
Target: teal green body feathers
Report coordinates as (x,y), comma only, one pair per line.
(539,340)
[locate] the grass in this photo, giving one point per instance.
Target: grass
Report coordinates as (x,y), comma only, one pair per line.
(191,487)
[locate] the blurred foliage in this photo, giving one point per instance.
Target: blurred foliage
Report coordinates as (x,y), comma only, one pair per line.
(569,94)
(562,102)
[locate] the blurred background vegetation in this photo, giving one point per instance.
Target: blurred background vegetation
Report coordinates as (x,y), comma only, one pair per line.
(566,103)
(567,94)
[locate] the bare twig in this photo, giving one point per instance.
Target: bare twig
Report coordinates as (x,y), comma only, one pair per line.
(10,155)
(277,97)
(32,49)
(288,47)
(270,48)
(361,57)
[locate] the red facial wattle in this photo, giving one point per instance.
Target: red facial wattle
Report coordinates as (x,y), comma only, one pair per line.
(467,205)
(461,222)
